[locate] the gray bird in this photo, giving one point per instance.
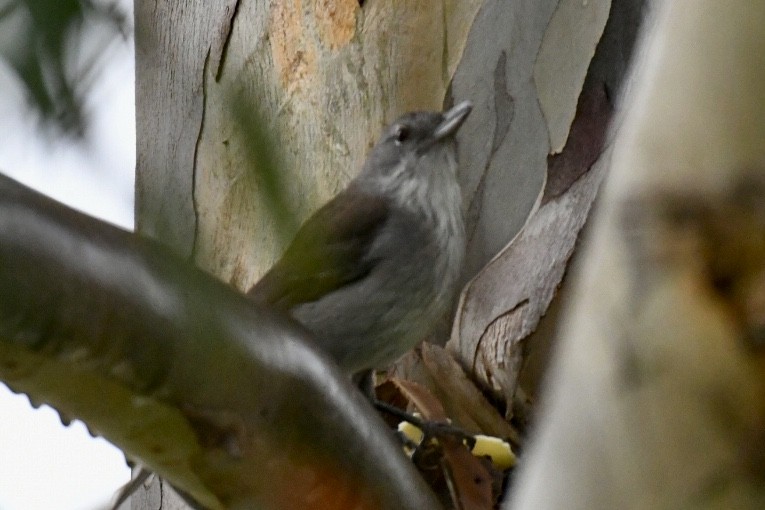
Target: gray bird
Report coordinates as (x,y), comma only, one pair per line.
(371,272)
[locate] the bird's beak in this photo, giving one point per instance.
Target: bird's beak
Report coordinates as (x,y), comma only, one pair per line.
(453,119)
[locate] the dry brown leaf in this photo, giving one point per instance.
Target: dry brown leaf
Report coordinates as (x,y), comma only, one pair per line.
(468,479)
(436,368)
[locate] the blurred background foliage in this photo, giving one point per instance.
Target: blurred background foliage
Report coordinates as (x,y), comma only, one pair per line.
(56,49)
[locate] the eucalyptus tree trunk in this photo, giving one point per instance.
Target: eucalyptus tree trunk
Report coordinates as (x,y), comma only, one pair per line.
(319,80)
(657,393)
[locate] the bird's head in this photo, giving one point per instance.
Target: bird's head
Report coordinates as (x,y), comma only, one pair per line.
(416,154)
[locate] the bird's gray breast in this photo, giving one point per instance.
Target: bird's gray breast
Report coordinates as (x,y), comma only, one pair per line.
(373,321)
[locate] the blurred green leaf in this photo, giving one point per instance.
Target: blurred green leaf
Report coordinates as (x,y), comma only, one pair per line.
(43,43)
(270,176)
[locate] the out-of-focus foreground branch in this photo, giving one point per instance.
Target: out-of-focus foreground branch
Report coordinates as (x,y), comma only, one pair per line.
(226,401)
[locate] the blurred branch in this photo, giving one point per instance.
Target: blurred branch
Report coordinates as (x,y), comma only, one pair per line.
(225,400)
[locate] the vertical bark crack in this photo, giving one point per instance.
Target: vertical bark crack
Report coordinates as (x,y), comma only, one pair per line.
(194,170)
(227,40)
(504,111)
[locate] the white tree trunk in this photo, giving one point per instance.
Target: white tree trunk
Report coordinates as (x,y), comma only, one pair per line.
(657,394)
(325,77)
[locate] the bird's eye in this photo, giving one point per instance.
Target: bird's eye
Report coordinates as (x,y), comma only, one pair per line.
(401,134)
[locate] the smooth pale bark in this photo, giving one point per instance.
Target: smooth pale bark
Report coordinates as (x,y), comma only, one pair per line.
(324,78)
(657,395)
(495,328)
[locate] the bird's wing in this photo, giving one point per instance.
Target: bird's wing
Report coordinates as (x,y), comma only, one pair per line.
(330,250)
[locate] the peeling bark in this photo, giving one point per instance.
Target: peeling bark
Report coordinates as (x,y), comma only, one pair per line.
(657,392)
(502,305)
